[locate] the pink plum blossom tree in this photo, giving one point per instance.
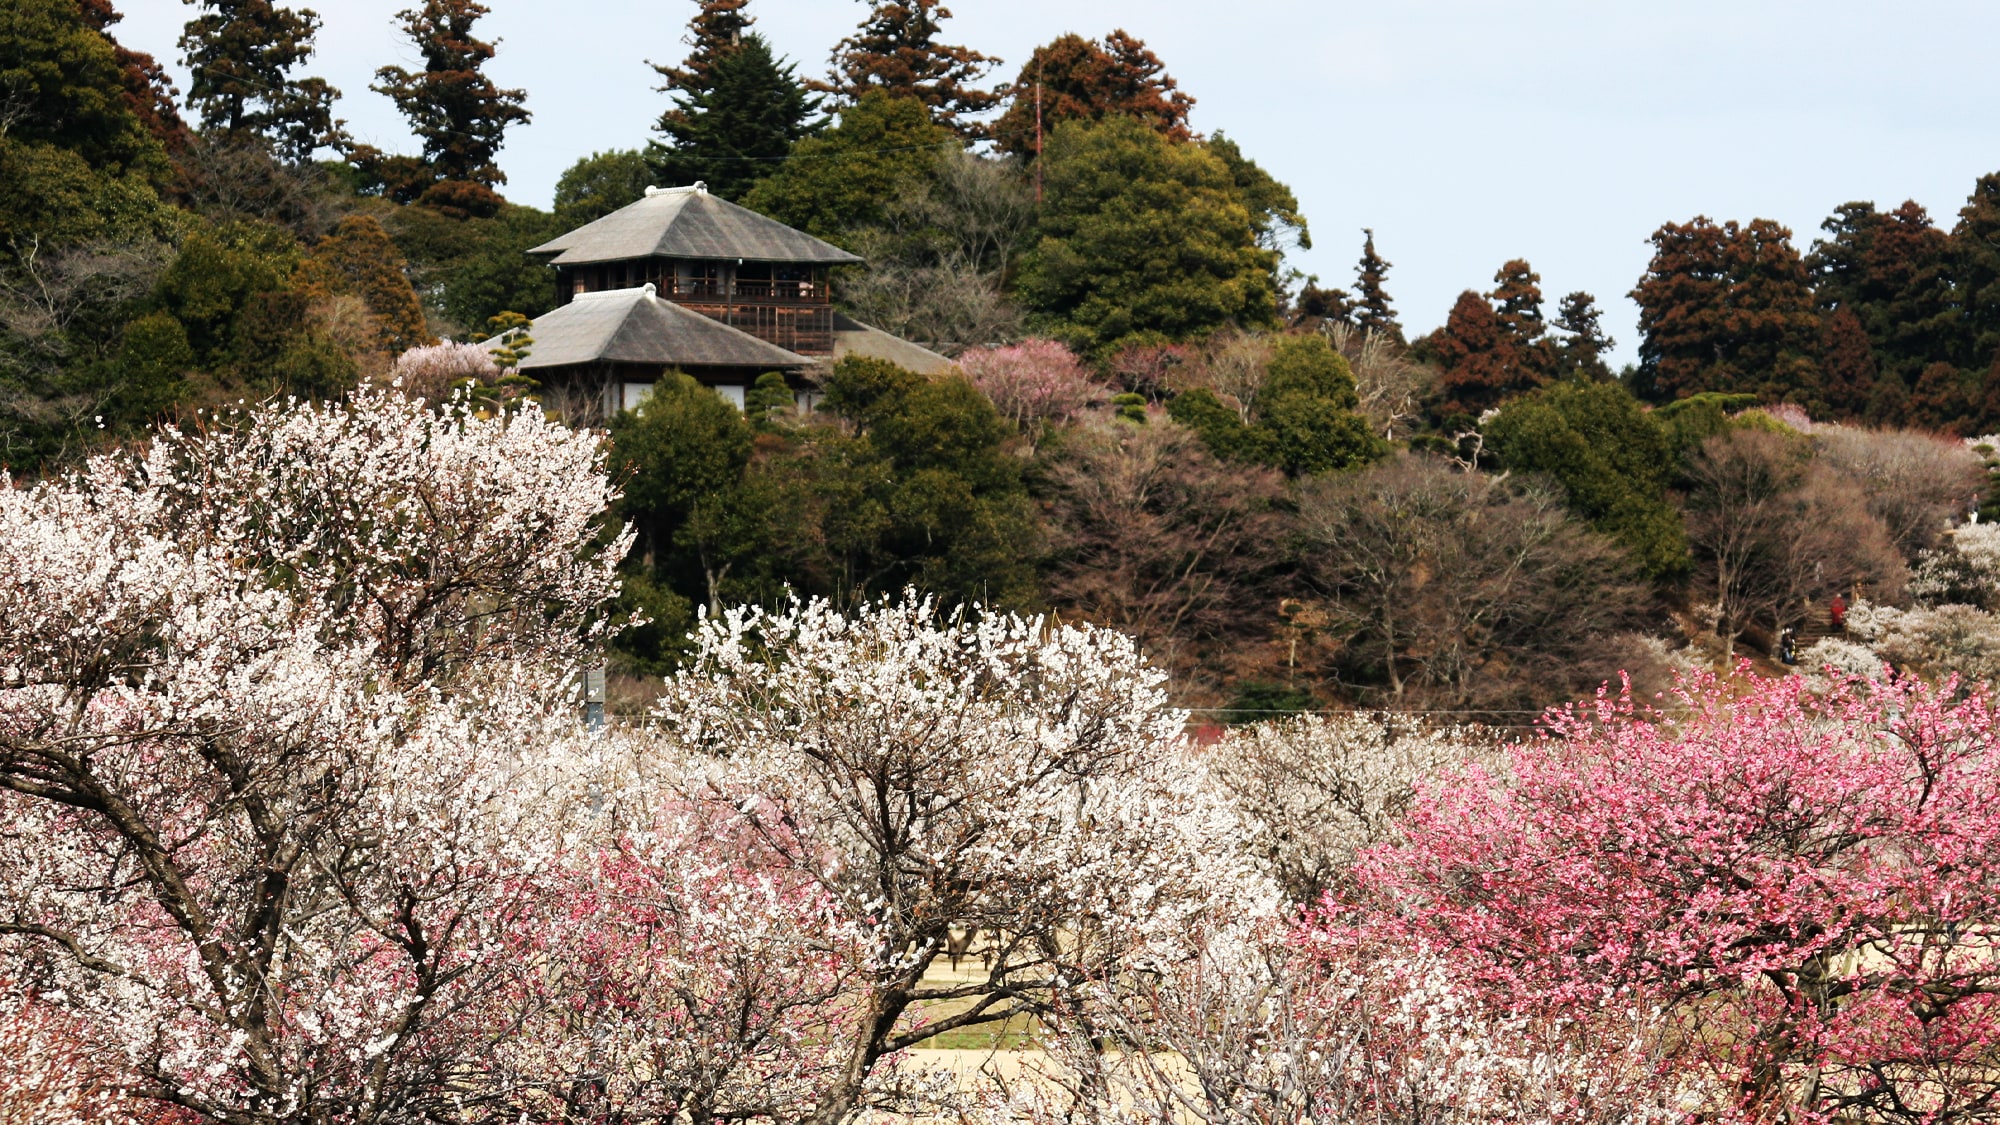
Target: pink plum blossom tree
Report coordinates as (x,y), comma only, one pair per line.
(1035,384)
(1809,884)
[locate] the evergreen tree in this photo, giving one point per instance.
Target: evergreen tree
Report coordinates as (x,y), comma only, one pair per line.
(895,50)
(600,184)
(61,84)
(240,56)
(1847,366)
(1614,460)
(1141,237)
(1373,312)
(1482,360)
(1939,400)
(1304,421)
(734,132)
(843,182)
(715,30)
(1975,269)
(1726,307)
(1274,209)
(1517,300)
(453,107)
(1584,343)
(1891,270)
(149,93)
(1076,79)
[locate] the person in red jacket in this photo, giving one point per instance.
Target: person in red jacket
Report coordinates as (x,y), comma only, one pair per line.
(1837,612)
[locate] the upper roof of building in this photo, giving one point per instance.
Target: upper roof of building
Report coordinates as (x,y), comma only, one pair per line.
(688,223)
(636,326)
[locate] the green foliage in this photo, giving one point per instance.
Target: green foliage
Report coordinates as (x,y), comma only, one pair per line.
(240,55)
(600,184)
(51,197)
(1303,422)
(1137,235)
(732,133)
(769,395)
(950,511)
(1131,407)
(1613,459)
(467,271)
(1258,701)
(1274,209)
(844,180)
(62,84)
(215,277)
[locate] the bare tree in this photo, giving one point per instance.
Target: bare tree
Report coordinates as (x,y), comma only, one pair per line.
(1232,365)
(1775,532)
(1153,536)
(1392,386)
(1916,483)
(1453,589)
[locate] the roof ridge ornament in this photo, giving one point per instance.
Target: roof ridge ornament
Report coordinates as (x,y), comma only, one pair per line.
(651,290)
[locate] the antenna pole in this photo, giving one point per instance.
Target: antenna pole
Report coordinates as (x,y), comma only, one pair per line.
(1038,132)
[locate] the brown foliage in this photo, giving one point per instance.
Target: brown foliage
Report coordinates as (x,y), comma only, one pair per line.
(1726,307)
(896,50)
(1080,79)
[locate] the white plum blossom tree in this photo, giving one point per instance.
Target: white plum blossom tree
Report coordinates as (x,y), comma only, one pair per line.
(934,772)
(282,706)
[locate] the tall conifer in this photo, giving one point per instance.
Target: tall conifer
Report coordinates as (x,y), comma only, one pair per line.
(1373,312)
(733,132)
(453,107)
(896,50)
(1076,79)
(240,55)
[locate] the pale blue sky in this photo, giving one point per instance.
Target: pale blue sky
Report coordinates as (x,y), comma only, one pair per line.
(1465,133)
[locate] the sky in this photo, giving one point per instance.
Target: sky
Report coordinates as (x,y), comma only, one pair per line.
(1463,133)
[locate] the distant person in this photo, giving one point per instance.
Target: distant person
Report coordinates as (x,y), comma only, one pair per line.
(1785,647)
(1837,612)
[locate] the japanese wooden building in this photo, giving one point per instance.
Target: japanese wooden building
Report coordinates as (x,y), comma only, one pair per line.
(684,280)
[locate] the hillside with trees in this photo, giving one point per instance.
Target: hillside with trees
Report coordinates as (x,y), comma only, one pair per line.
(1155,422)
(1202,699)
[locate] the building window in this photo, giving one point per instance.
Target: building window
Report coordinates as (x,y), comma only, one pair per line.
(634,394)
(732,393)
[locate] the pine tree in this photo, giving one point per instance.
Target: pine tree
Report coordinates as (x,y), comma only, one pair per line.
(733,133)
(896,50)
(1584,342)
(1373,312)
(453,107)
(1076,79)
(240,56)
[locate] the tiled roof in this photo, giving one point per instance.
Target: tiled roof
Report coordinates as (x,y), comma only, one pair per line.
(851,337)
(634,326)
(688,223)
